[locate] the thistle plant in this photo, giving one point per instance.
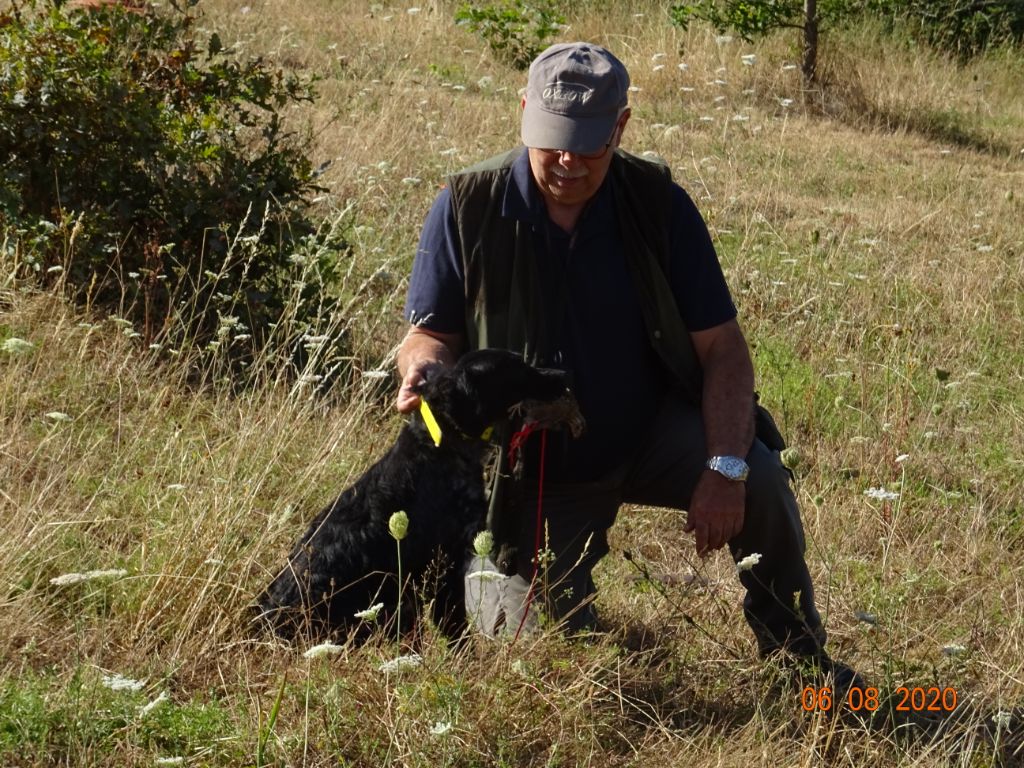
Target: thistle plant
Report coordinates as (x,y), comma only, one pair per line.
(398,524)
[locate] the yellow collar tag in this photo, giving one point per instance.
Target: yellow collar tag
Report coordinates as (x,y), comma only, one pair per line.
(428,418)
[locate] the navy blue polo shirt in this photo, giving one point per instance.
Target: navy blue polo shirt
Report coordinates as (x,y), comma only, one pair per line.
(599,332)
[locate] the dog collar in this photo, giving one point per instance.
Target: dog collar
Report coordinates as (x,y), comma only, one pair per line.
(435,429)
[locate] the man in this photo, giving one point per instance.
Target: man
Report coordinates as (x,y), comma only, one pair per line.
(583,257)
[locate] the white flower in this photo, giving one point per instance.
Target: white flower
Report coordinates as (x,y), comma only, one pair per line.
(881,494)
(413,11)
(748,59)
(785,103)
(486,576)
(121,683)
(483,543)
(324,649)
(369,614)
(902,457)
(748,562)
(400,663)
(76,578)
(147,708)
(58,416)
(180,760)
(175,487)
(723,39)
(16,346)
(954,649)
(1002,719)
(412,180)
(440,728)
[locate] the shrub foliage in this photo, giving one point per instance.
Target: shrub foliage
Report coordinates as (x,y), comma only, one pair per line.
(148,166)
(963,28)
(516,31)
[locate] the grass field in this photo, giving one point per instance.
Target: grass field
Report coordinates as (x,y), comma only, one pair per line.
(873,236)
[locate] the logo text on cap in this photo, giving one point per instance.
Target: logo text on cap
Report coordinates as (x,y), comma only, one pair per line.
(571,92)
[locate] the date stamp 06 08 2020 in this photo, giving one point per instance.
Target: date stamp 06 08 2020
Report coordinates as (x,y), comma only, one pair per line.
(916,699)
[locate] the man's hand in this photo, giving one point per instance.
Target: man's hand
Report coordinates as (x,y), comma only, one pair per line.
(716,511)
(408,401)
(420,351)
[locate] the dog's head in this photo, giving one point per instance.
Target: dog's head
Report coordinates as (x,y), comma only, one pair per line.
(484,386)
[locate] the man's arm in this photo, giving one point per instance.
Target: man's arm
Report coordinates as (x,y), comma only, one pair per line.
(716,508)
(420,350)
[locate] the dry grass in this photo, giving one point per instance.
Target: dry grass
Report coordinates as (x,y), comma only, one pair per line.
(875,251)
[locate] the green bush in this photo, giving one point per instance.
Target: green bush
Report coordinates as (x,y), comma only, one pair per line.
(515,30)
(960,27)
(963,28)
(148,167)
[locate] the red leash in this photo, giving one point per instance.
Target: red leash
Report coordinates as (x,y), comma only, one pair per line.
(514,445)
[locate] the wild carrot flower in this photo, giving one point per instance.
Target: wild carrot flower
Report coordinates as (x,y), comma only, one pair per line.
(483,543)
(16,346)
(791,458)
(881,494)
(440,728)
(398,524)
(147,708)
(76,578)
(401,663)
(324,649)
(369,614)
(121,683)
(486,576)
(58,416)
(748,562)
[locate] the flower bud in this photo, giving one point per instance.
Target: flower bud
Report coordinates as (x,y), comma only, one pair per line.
(791,458)
(483,543)
(399,525)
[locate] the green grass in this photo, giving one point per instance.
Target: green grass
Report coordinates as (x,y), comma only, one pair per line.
(876,264)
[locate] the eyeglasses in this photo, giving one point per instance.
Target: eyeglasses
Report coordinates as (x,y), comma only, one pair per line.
(589,156)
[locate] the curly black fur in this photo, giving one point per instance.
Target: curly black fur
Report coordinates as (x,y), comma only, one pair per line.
(347,560)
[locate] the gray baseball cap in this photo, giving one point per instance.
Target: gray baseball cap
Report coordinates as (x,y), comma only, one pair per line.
(574,95)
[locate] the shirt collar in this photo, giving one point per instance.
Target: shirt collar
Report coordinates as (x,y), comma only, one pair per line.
(522,199)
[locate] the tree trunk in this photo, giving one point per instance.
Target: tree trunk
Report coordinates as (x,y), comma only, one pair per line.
(810,62)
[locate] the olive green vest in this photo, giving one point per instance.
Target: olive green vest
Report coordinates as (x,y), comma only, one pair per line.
(503,300)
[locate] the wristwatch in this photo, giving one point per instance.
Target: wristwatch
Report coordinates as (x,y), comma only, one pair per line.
(730,467)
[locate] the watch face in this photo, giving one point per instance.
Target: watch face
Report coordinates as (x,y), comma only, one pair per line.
(729,466)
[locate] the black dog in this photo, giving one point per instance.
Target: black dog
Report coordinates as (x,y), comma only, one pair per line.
(347,559)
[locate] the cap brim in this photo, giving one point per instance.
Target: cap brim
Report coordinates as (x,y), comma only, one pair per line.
(547,130)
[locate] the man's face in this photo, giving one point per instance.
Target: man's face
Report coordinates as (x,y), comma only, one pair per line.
(570,179)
